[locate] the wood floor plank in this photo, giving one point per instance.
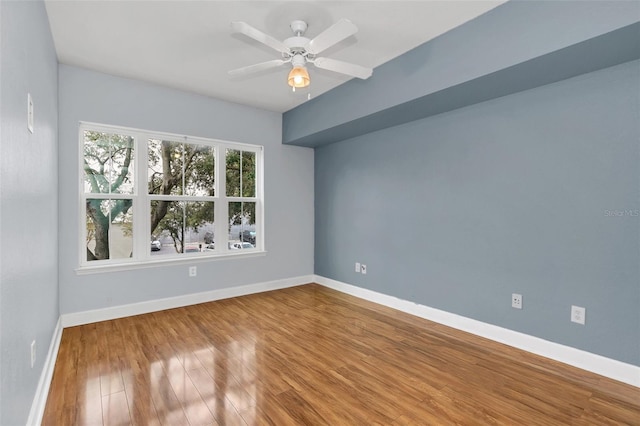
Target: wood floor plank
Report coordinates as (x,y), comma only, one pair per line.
(215,397)
(217,369)
(65,381)
(89,397)
(136,376)
(168,408)
(108,345)
(192,403)
(115,411)
(309,355)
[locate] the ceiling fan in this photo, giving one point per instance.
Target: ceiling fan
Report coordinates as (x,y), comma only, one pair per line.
(300,51)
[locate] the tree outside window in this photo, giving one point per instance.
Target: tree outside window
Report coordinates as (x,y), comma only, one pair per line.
(177,204)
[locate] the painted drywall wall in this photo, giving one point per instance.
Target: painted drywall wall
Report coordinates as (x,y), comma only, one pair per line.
(288,184)
(28,203)
(534,193)
(516,39)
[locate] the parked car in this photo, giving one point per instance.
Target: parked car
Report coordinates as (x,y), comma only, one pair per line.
(156,245)
(191,249)
(248,236)
(240,246)
(210,247)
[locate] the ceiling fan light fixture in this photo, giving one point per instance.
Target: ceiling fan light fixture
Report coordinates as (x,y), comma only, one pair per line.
(300,50)
(298,77)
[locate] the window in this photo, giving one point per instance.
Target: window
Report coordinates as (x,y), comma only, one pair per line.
(149,197)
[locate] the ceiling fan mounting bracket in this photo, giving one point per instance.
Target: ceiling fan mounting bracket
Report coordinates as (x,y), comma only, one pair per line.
(298,27)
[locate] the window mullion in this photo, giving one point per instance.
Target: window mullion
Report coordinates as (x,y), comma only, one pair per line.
(82,212)
(222,206)
(241,194)
(184,166)
(183,202)
(141,231)
(259,195)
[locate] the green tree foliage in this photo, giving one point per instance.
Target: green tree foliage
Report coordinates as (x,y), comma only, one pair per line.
(241,173)
(241,182)
(180,169)
(181,217)
(107,159)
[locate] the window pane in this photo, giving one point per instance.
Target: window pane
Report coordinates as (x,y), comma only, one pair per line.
(199,230)
(164,170)
(121,231)
(181,227)
(233,172)
(109,229)
(167,226)
(108,163)
(242,225)
(248,167)
(199,170)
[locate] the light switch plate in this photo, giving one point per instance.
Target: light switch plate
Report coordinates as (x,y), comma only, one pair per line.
(30,120)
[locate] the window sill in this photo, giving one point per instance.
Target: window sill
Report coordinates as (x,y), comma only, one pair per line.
(187,260)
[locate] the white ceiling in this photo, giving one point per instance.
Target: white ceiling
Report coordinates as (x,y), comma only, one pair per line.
(188,45)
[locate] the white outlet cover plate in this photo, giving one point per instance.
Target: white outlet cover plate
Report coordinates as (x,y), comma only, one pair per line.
(578,314)
(516,301)
(358,267)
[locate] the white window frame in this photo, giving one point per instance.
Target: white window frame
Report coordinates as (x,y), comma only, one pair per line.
(142,257)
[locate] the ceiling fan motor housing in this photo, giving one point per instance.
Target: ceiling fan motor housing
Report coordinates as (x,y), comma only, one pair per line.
(297,43)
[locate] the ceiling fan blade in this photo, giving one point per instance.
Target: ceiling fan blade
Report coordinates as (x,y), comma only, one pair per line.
(343,67)
(331,36)
(249,31)
(257,67)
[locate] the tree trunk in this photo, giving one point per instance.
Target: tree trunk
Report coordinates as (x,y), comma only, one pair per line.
(158,213)
(101,223)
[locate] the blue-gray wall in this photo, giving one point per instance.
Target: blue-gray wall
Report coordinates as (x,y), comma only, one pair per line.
(519,45)
(28,203)
(520,194)
(288,185)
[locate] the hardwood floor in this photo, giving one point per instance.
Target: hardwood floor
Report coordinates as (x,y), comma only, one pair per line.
(309,355)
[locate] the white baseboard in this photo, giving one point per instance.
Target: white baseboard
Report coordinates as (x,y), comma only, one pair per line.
(87,317)
(585,360)
(42,391)
(598,364)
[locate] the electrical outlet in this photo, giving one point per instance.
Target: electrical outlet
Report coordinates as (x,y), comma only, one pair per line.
(193,271)
(516,301)
(363,269)
(33,353)
(358,267)
(578,314)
